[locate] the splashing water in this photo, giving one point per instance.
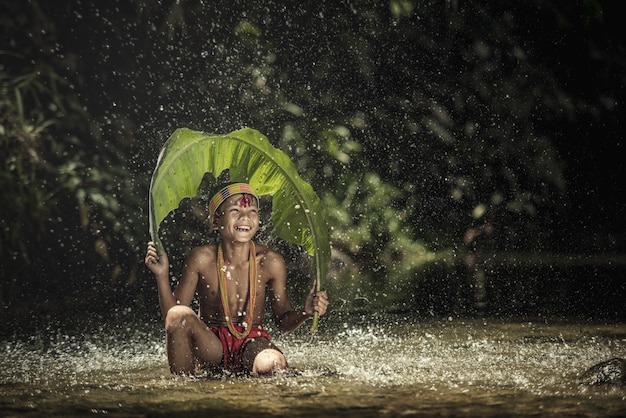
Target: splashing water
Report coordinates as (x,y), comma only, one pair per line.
(357,367)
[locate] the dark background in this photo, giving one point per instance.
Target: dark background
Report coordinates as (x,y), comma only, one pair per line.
(469,154)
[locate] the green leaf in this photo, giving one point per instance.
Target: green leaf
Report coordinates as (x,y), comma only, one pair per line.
(297,213)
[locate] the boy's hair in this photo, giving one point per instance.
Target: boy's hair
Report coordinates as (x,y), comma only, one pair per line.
(228,191)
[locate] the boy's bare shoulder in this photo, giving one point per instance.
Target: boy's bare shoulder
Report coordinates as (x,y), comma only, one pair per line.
(202,254)
(206,249)
(269,256)
(263,250)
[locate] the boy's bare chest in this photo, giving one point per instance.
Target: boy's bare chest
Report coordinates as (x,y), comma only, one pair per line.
(236,288)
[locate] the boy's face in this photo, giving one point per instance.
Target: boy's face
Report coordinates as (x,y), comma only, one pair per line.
(239,218)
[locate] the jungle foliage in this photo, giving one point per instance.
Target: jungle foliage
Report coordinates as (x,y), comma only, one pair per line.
(429,129)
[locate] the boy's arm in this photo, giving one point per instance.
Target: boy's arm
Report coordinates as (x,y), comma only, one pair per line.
(285,317)
(158,263)
(183,294)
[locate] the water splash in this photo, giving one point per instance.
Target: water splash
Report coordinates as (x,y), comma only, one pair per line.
(355,360)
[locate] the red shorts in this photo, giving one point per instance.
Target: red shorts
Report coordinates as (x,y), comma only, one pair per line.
(233,347)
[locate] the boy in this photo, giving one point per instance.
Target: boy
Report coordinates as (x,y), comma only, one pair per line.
(231,280)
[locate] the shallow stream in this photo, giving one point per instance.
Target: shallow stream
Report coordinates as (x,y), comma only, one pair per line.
(355,366)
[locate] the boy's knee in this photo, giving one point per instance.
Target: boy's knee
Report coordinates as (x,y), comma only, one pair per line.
(177,317)
(269,361)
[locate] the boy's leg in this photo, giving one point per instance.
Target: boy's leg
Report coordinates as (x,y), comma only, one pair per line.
(262,357)
(187,339)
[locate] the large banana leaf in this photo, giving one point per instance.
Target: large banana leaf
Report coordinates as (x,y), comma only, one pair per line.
(297,213)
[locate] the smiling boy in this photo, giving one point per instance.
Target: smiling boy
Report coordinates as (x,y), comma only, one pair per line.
(231,280)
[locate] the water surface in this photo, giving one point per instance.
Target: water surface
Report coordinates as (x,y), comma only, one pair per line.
(355,366)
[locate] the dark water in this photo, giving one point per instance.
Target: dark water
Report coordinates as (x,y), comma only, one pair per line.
(356,366)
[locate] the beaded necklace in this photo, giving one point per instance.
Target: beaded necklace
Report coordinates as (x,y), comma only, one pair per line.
(221,274)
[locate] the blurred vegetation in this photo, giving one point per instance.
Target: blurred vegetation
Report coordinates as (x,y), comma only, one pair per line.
(69,209)
(431,130)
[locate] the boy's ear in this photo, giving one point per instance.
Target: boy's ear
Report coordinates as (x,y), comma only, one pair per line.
(213,220)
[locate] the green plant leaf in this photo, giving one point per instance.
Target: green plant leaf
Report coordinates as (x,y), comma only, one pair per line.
(297,213)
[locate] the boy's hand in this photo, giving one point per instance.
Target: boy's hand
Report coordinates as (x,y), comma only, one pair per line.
(157,263)
(316,301)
